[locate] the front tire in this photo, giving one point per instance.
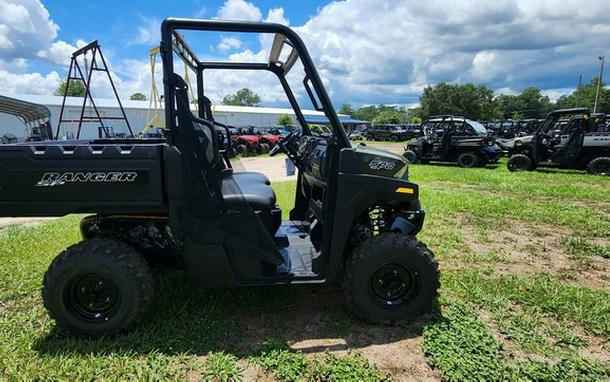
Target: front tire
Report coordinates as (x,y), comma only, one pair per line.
(599,166)
(391,278)
(519,162)
(97,287)
(468,160)
(410,156)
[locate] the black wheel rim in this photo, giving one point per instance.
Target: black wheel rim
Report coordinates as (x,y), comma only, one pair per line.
(92,297)
(393,285)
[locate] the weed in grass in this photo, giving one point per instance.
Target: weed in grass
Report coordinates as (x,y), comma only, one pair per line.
(524,328)
(352,367)
(494,255)
(580,249)
(585,306)
(565,337)
(462,347)
(222,367)
(285,364)
(568,369)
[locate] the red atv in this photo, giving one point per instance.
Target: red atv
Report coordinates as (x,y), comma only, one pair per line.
(245,143)
(267,141)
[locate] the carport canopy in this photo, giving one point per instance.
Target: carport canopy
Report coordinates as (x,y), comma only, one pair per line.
(27,112)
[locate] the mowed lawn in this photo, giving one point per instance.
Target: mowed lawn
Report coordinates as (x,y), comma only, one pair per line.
(525,295)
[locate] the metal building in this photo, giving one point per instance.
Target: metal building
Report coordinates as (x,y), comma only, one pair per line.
(138,115)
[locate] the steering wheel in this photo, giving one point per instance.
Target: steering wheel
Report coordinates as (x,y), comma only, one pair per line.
(284,143)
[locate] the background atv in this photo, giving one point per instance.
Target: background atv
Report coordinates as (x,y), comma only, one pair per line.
(453,139)
(570,138)
(245,142)
(178,201)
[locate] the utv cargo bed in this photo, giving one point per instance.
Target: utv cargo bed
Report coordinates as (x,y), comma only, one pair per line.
(84,176)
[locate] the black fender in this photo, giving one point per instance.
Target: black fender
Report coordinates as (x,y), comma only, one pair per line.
(357,192)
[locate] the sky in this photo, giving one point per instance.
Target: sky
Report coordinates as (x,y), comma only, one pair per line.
(367,51)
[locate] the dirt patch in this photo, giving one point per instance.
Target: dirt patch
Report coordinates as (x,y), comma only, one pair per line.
(273,167)
(316,321)
(29,222)
(525,250)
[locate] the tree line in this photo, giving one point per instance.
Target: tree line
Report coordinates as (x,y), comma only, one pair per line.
(478,102)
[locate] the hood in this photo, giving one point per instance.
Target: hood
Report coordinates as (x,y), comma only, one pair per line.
(380,162)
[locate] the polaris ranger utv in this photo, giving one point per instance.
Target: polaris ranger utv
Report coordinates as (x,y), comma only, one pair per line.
(447,138)
(569,138)
(177,201)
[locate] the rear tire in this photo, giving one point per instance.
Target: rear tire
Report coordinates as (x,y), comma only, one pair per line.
(242,150)
(410,156)
(599,166)
(394,138)
(97,287)
(391,278)
(264,148)
(468,160)
(519,162)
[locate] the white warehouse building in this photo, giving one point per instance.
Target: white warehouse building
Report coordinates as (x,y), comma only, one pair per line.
(138,115)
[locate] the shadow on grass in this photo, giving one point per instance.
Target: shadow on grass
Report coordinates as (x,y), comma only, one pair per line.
(188,320)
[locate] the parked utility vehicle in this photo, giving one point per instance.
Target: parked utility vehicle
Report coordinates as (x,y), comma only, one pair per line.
(569,138)
(448,138)
(178,201)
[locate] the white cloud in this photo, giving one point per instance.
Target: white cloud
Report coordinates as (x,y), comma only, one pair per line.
(239,10)
(229,43)
(276,15)
(403,46)
(148,32)
(25,29)
(60,52)
(29,83)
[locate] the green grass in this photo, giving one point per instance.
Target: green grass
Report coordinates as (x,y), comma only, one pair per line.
(222,367)
(496,321)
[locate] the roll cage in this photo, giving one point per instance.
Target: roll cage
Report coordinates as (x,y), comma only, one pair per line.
(278,63)
(437,122)
(554,117)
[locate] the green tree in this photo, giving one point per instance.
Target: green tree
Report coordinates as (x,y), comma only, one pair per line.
(535,104)
(76,89)
(243,97)
(347,109)
(584,96)
(510,104)
(414,115)
(516,116)
(365,113)
(530,103)
(387,116)
(138,97)
(284,120)
(469,100)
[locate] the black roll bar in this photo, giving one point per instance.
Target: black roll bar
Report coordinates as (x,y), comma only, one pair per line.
(172,25)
